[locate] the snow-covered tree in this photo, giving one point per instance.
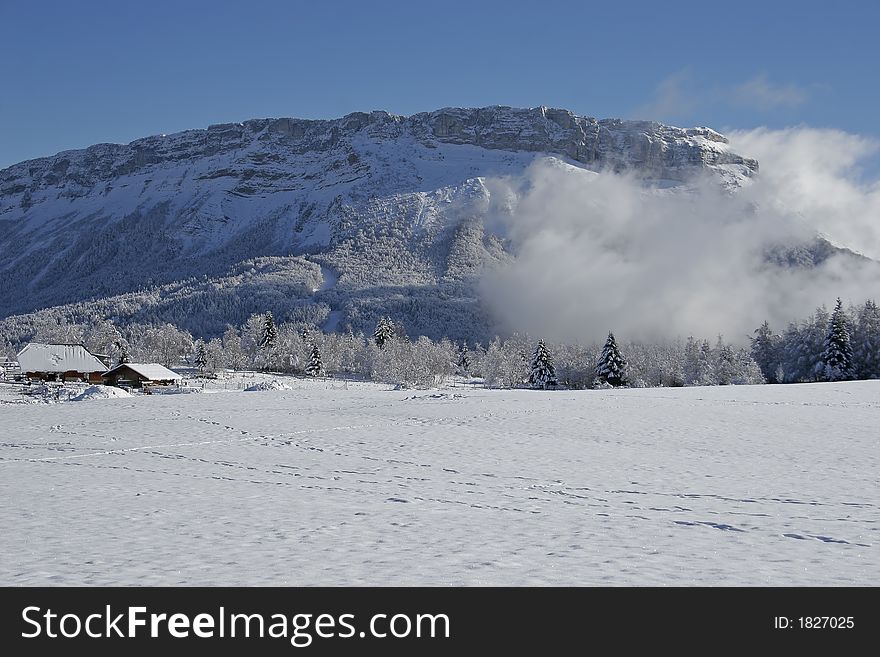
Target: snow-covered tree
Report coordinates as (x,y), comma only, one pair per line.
(866,342)
(214,357)
(725,363)
(611,367)
(102,337)
(542,374)
(200,356)
(292,353)
(252,340)
(233,355)
(735,366)
(352,353)
(270,332)
(315,366)
(502,365)
(655,364)
(306,332)
(464,361)
(164,344)
(699,364)
(122,351)
(440,357)
(406,364)
(384,332)
(766,352)
(802,348)
(838,353)
(59,331)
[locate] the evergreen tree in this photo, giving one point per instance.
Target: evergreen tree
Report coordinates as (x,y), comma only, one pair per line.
(201,356)
(543,374)
(384,332)
(766,352)
(270,332)
(812,346)
(315,366)
(611,366)
(838,354)
(464,361)
(866,342)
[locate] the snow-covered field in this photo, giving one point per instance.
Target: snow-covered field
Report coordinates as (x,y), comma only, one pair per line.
(332,483)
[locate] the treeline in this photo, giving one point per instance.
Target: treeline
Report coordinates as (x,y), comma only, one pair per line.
(389,355)
(839,346)
(827,346)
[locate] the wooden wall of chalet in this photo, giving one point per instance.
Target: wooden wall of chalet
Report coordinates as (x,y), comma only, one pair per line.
(91,377)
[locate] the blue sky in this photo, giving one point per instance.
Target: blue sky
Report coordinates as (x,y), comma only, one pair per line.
(78,73)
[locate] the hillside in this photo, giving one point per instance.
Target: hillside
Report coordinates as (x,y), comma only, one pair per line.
(393,207)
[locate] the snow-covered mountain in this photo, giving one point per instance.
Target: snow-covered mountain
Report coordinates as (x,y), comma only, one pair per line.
(341,218)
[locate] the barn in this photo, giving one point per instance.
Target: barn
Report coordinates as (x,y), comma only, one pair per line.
(136,375)
(60,362)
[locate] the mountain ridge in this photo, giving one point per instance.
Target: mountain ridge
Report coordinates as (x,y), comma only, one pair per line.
(391,208)
(552,130)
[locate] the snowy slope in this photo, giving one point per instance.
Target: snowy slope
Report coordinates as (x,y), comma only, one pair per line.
(333,483)
(381,198)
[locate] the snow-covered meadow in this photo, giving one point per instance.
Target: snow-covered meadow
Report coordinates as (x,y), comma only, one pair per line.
(334,483)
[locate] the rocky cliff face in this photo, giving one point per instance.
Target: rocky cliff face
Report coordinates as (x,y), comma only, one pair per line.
(650,149)
(390,204)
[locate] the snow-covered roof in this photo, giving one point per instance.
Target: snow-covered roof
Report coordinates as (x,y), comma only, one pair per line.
(150,371)
(37,357)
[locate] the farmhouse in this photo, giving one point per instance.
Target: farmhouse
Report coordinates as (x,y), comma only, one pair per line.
(60,362)
(138,374)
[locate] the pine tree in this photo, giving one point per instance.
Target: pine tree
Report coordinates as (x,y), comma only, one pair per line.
(270,332)
(201,356)
(802,348)
(866,342)
(384,332)
(543,374)
(315,366)
(766,352)
(838,354)
(611,366)
(464,361)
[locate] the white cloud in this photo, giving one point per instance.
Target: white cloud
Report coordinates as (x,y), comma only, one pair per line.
(814,175)
(600,252)
(673,97)
(762,94)
(680,96)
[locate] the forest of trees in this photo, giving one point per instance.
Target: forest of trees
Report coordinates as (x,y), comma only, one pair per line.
(840,345)
(834,346)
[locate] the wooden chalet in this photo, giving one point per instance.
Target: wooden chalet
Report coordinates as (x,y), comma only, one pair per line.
(137,375)
(60,362)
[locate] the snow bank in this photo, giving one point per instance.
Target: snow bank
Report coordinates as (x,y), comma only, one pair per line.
(50,393)
(101,392)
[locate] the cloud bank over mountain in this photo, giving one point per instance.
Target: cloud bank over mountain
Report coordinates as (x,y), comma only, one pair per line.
(601,251)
